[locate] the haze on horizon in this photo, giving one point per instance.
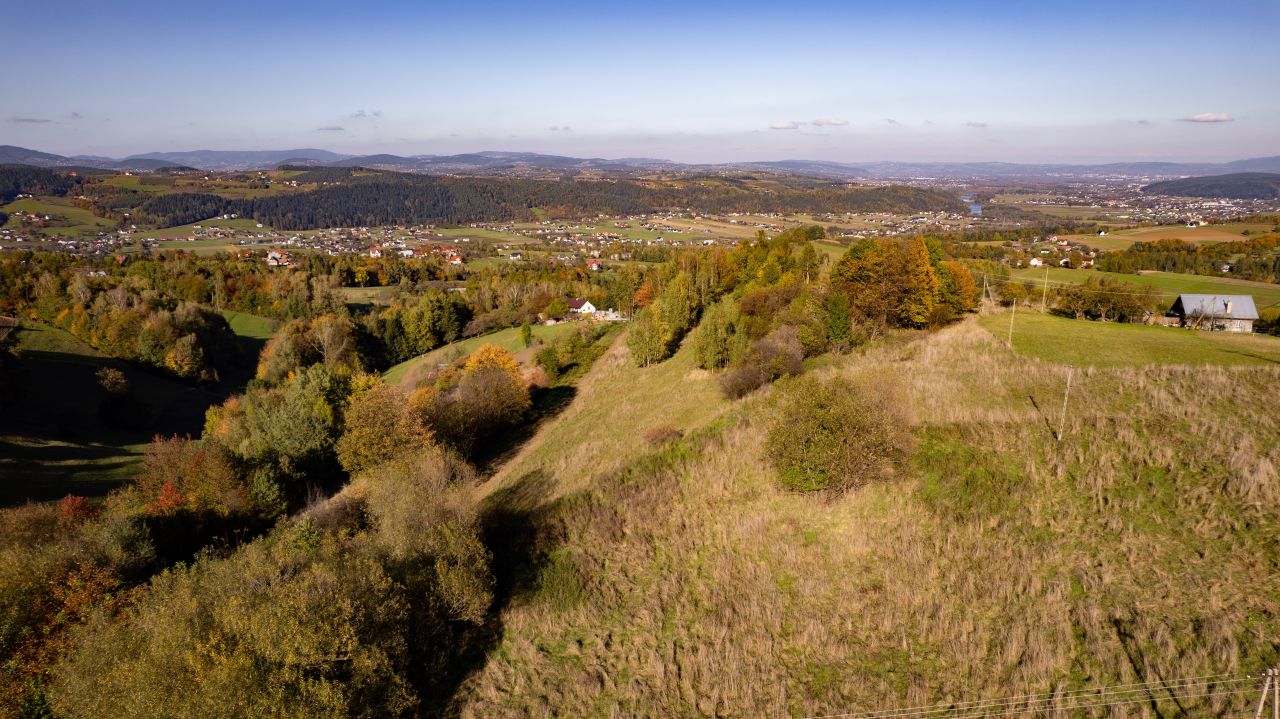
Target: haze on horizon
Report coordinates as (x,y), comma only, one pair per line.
(843,81)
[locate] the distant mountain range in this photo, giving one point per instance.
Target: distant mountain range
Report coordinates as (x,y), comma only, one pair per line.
(516,163)
(1239,186)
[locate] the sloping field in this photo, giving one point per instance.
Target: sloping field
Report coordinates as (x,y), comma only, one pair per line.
(1168,285)
(1063,340)
(682,581)
(1121,239)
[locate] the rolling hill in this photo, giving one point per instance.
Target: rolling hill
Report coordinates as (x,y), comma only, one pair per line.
(525,163)
(1237,186)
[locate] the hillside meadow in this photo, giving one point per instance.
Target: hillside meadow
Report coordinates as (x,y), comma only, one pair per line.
(1168,285)
(681,580)
(1115,344)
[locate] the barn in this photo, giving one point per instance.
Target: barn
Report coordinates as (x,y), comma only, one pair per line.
(1226,313)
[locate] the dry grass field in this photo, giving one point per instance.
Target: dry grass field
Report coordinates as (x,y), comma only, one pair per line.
(680,580)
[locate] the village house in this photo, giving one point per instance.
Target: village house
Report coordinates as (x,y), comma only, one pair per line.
(1226,313)
(279,258)
(581,307)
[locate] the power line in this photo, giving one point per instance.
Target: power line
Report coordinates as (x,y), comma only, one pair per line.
(1112,694)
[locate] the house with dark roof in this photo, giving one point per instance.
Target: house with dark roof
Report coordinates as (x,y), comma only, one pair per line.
(1226,313)
(581,307)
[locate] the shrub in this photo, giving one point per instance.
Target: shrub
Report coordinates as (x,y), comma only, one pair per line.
(662,434)
(199,475)
(420,509)
(779,354)
(467,407)
(270,631)
(837,434)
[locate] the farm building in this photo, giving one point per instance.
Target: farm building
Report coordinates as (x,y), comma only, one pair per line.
(1230,313)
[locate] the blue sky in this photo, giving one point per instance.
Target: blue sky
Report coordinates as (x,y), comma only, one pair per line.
(846,81)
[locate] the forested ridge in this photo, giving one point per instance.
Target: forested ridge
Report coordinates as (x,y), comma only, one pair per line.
(362,198)
(1240,185)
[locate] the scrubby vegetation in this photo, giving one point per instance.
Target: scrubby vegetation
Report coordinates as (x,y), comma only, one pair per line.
(838,434)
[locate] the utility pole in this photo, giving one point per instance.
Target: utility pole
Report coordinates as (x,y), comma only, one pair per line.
(1044,293)
(1013,310)
(1062,421)
(985,295)
(1270,685)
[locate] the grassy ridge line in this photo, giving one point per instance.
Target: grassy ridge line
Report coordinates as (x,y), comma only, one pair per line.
(1064,340)
(615,404)
(508,339)
(682,581)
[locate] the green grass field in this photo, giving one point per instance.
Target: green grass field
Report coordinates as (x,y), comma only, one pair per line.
(52,439)
(508,339)
(366,295)
(239,224)
(74,220)
(483,234)
(251,326)
(1123,239)
(1108,344)
(1167,284)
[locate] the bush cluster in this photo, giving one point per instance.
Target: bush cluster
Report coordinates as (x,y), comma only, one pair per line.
(837,434)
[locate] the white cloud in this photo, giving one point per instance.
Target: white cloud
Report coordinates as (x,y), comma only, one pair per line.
(560,128)
(979,125)
(830,122)
(791,125)
(330,128)
(1209,117)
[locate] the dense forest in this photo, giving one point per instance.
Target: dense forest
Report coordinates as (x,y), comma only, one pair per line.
(18,179)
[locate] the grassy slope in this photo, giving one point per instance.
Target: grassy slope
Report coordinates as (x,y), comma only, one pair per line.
(52,442)
(1167,284)
(239,224)
(508,339)
(684,582)
(80,221)
(615,404)
(1108,344)
(1121,239)
(250,326)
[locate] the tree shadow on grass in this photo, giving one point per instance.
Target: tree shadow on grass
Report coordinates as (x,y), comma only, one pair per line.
(517,529)
(546,404)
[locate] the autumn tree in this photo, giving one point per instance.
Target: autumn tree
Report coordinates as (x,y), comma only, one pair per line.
(379,424)
(921,287)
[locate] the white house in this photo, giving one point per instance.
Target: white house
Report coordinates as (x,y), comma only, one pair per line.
(581,307)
